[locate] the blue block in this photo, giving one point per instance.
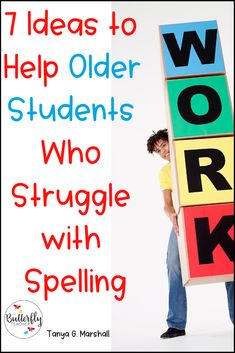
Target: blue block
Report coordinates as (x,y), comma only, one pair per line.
(201,54)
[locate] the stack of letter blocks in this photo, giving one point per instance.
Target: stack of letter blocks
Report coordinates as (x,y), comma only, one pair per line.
(200,125)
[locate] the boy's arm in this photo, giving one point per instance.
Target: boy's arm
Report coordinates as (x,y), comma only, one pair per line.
(169,209)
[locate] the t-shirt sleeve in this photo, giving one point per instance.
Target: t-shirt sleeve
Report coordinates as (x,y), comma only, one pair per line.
(165,179)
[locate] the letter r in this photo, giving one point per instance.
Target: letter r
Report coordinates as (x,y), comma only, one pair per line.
(194,170)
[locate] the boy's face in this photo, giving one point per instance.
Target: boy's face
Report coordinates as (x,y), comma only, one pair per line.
(162,148)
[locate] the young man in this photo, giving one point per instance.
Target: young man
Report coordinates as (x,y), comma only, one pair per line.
(177,311)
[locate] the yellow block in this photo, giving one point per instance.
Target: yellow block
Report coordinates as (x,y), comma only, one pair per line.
(184,158)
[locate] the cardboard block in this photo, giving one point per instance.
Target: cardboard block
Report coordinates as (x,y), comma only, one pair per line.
(199,107)
(206,243)
(191,49)
(204,171)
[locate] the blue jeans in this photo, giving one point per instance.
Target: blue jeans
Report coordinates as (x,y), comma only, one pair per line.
(177,313)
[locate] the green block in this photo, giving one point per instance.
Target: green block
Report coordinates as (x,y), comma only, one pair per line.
(200,107)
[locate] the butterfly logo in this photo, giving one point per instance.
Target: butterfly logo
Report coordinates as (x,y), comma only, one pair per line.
(31,328)
(16,306)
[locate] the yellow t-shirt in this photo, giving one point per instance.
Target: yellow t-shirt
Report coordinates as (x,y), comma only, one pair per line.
(165,177)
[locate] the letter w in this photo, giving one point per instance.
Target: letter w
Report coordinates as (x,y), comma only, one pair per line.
(181,56)
(60,154)
(51,240)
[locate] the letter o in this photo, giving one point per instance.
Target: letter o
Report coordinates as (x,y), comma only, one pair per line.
(71,65)
(129,19)
(184,105)
(90,160)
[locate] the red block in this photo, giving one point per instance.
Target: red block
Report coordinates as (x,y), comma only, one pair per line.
(206,243)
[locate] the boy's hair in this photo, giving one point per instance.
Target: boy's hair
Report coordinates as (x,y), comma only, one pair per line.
(160,135)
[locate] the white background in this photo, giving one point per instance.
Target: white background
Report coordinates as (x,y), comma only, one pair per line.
(23,162)
(134,238)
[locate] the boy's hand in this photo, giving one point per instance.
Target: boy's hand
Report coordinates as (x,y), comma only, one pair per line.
(174,221)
